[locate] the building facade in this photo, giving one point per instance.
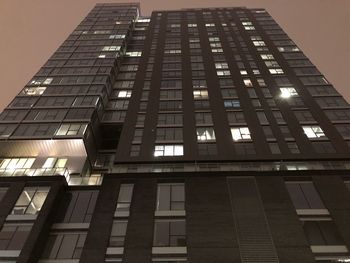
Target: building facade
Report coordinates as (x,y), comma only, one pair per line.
(194,135)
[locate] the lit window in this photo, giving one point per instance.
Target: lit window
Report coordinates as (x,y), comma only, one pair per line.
(288,92)
(101,56)
(217,44)
(248,83)
(288,49)
(200,94)
(71,129)
(34,91)
(249,28)
(313,131)
(221,65)
(267,56)
(102,32)
(210,25)
(243,72)
(172,51)
(213,39)
(192,25)
(255,38)
(217,50)
(54,162)
(240,134)
(116,36)
(276,71)
(205,134)
(223,73)
(247,23)
(133,54)
(168,150)
(17,163)
(30,201)
(259,43)
(143,20)
(124,94)
(41,81)
(111,48)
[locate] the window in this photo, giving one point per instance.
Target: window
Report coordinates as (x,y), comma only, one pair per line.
(313,132)
(322,233)
(200,94)
(338,115)
(124,199)
(30,201)
(168,150)
(267,56)
(236,117)
(111,48)
(170,94)
(221,65)
(240,134)
(288,92)
(293,147)
(331,102)
(304,195)
(13,236)
(232,104)
(55,162)
(304,116)
(170,197)
(323,147)
(205,134)
(68,210)
(276,71)
(203,118)
(124,93)
(170,119)
(118,233)
(169,134)
(245,148)
(64,245)
(248,83)
(16,163)
(133,54)
(34,91)
(169,233)
(71,129)
(223,73)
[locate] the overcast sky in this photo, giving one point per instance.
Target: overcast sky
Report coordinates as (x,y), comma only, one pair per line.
(30,31)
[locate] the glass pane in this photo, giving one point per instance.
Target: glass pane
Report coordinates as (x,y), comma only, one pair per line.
(161,234)
(163,199)
(125,193)
(312,196)
(297,196)
(178,193)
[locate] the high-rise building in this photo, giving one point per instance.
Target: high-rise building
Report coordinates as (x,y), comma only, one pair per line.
(194,135)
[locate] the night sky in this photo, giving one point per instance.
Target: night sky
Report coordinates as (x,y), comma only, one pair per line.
(30,31)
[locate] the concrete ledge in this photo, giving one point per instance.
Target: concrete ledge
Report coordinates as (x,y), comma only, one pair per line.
(329,249)
(169,250)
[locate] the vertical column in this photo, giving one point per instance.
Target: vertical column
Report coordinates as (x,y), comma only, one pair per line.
(139,239)
(101,223)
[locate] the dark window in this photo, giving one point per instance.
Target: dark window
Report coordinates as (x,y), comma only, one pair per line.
(207,149)
(77,206)
(170,119)
(124,198)
(245,148)
(13,236)
(64,245)
(118,233)
(304,195)
(170,196)
(169,233)
(169,134)
(323,147)
(322,233)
